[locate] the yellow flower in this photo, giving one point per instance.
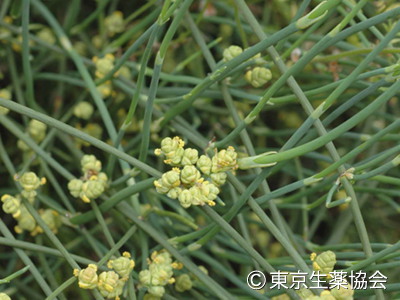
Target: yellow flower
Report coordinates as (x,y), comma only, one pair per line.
(258,76)
(324,262)
(25,222)
(103,65)
(190,157)
(30,181)
(37,130)
(83,110)
(218,178)
(204,164)
(190,175)
(108,281)
(224,160)
(90,163)
(183,283)
(122,265)
(185,198)
(87,277)
(91,189)
(11,205)
(114,23)
(231,52)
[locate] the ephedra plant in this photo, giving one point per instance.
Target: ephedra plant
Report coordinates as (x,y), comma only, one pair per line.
(170,149)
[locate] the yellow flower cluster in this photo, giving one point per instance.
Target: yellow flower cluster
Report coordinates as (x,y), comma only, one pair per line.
(257,76)
(93,182)
(325,263)
(194,180)
(159,274)
(114,23)
(109,283)
(30,182)
(103,66)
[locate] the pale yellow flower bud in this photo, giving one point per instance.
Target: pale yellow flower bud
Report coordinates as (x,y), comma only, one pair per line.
(160,188)
(157,291)
(37,130)
(104,65)
(209,192)
(83,110)
(160,275)
(110,285)
(324,262)
(87,278)
(75,187)
(30,181)
(91,189)
(231,52)
(258,76)
(174,158)
(169,145)
(190,157)
(11,205)
(114,23)
(185,198)
(224,160)
(161,258)
(174,193)
(145,277)
(90,163)
(108,281)
(197,196)
(171,178)
(183,283)
(204,164)
(218,178)
(190,175)
(102,177)
(122,265)
(25,221)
